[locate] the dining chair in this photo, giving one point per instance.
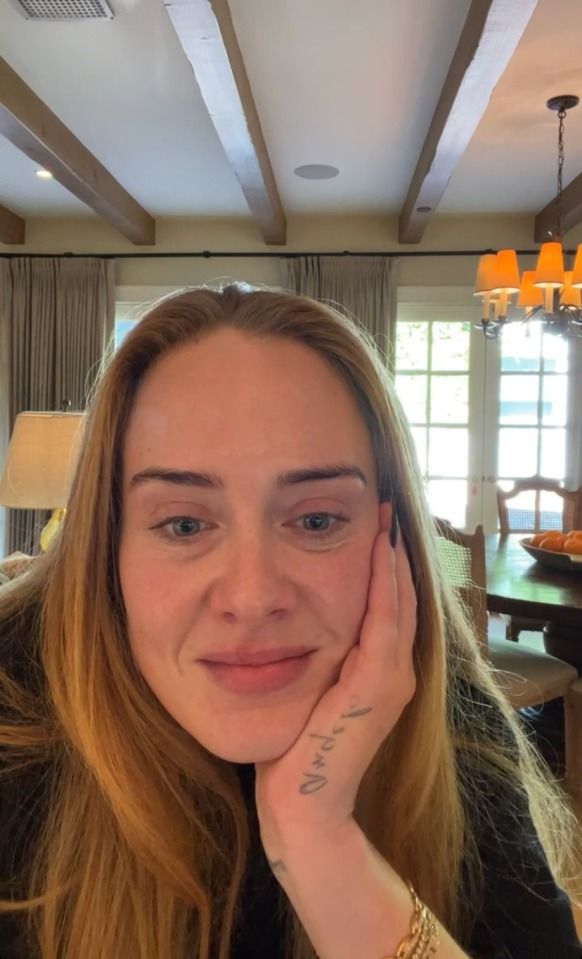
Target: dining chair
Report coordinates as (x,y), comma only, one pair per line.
(527,515)
(526,677)
(519,517)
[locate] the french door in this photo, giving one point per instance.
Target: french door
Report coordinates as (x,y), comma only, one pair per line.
(483,412)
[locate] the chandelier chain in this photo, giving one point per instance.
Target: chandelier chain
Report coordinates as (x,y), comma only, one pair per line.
(561,115)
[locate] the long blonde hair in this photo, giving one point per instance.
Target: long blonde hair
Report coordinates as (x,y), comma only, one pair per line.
(144,841)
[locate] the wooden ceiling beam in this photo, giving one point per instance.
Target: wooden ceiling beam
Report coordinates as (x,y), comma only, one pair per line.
(546,220)
(35,130)
(489,37)
(206,33)
(12,227)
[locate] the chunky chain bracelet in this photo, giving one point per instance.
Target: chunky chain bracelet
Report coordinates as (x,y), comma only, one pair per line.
(422,941)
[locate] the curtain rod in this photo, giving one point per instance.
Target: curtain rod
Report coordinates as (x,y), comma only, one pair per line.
(208,254)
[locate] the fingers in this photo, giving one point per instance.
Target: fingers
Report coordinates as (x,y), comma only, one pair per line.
(391,623)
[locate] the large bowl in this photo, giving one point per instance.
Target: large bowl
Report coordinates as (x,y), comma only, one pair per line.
(564,561)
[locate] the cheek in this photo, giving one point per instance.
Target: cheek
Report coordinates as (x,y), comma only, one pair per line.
(344,590)
(149,598)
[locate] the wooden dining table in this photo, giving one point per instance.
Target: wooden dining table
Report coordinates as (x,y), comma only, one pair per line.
(519,585)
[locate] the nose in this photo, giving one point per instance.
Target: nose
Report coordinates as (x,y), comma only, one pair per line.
(251,586)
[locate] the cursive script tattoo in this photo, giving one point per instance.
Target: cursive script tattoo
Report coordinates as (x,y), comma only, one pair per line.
(317,780)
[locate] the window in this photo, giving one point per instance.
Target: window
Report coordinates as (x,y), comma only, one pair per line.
(432,380)
(126,316)
(484,412)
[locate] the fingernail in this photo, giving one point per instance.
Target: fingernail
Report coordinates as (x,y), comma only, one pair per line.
(393,535)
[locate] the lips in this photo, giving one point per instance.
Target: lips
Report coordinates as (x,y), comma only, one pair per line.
(255,680)
(256,657)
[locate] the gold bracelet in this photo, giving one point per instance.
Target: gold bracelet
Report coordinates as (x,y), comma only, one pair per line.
(422,941)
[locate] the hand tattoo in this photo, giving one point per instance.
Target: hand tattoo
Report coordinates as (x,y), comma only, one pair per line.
(316,781)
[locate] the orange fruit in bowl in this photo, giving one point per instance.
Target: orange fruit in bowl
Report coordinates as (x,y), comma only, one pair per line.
(554,543)
(573,544)
(545,534)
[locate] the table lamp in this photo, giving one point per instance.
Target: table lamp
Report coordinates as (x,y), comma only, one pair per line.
(39,466)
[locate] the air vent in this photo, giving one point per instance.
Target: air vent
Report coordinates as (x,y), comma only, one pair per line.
(64,9)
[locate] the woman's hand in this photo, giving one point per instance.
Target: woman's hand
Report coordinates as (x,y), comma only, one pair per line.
(313,786)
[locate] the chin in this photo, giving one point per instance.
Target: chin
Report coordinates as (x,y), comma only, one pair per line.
(256,750)
(250,745)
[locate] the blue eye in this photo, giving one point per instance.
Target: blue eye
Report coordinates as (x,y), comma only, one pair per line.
(183,526)
(338,518)
(178,527)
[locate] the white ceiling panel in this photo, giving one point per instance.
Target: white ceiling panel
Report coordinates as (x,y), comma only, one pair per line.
(511,162)
(346,84)
(24,193)
(125,89)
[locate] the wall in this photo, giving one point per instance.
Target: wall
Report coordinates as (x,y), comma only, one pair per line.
(312,234)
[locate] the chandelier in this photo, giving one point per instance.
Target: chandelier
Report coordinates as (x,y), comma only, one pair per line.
(549,293)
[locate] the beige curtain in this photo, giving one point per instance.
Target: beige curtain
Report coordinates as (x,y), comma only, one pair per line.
(360,285)
(59,315)
(5,299)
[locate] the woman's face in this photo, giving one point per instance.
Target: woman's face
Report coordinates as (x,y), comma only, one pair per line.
(219,554)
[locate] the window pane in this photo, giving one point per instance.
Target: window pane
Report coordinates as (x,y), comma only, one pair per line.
(122,328)
(450,346)
(554,396)
(553,462)
(448,452)
(518,399)
(419,437)
(412,393)
(521,348)
(517,452)
(555,353)
(449,400)
(448,500)
(551,510)
(411,346)
(521,511)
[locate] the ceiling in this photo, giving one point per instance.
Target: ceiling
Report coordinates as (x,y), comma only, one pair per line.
(354,85)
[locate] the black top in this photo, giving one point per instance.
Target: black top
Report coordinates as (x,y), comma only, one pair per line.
(524,914)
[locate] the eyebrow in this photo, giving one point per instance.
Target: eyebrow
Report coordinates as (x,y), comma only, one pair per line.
(282,481)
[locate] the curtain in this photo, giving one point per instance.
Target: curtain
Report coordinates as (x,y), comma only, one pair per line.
(59,315)
(359,285)
(5,299)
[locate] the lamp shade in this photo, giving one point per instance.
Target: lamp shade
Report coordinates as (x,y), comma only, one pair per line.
(486,274)
(529,295)
(570,296)
(577,271)
(506,272)
(41,458)
(550,266)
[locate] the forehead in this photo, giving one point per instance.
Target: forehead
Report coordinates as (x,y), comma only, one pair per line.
(236,395)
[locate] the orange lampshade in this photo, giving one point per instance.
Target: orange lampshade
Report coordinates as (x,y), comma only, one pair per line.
(570,296)
(577,271)
(506,272)
(486,274)
(550,266)
(529,295)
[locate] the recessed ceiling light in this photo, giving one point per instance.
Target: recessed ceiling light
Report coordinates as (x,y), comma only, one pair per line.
(316,171)
(44,174)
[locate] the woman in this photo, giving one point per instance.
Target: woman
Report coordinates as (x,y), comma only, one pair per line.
(173,791)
